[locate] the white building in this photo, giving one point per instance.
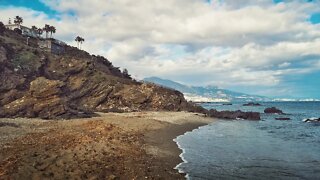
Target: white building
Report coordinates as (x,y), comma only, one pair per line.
(53,46)
(25,30)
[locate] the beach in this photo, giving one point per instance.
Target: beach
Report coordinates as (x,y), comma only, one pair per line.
(135,145)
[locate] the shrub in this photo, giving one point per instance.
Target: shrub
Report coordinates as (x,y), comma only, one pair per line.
(17,30)
(28,62)
(2,28)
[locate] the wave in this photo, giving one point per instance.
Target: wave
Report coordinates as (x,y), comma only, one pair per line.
(187,176)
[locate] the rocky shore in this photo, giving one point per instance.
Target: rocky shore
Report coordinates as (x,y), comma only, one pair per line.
(113,146)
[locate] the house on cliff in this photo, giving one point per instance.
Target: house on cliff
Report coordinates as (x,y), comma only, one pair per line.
(52,45)
(25,30)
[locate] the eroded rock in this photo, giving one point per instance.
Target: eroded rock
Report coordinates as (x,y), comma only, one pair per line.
(234,114)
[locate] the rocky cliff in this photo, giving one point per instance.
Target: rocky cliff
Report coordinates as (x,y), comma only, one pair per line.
(34,83)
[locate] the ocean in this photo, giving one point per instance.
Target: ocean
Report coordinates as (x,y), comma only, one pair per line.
(266,149)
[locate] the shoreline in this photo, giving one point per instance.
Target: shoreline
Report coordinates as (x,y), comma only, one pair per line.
(168,150)
(113,146)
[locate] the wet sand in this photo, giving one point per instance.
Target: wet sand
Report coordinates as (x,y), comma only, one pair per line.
(113,146)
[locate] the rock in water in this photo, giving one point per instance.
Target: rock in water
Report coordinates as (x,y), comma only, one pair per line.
(273,110)
(234,114)
(312,120)
(227,104)
(252,104)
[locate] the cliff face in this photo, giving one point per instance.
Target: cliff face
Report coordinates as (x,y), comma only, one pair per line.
(34,83)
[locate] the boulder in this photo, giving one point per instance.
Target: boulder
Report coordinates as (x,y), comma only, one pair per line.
(252,104)
(273,110)
(312,120)
(234,114)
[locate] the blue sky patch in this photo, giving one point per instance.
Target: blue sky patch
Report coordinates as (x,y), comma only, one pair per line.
(32,4)
(315,18)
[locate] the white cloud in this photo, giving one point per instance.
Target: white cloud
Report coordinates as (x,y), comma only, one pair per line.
(253,42)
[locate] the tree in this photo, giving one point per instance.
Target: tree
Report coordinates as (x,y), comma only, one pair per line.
(52,30)
(39,32)
(18,20)
(17,30)
(79,41)
(125,73)
(34,28)
(46,29)
(2,28)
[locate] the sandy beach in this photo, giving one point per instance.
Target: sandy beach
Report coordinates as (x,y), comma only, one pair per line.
(113,146)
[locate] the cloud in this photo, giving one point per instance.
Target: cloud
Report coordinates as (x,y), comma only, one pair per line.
(227,43)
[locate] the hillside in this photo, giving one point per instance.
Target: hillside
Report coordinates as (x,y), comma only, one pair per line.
(36,83)
(206,94)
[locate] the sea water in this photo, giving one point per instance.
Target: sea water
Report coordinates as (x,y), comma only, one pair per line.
(266,149)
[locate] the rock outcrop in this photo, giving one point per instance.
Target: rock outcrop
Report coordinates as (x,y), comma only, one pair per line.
(34,83)
(234,114)
(273,110)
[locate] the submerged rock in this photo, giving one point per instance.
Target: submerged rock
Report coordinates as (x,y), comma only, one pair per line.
(234,114)
(273,110)
(227,104)
(283,118)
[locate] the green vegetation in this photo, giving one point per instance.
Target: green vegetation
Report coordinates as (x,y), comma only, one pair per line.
(26,61)
(49,29)
(18,20)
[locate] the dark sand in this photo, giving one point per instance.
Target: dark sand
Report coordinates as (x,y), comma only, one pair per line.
(113,146)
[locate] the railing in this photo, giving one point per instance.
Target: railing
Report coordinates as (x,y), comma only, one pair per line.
(59,42)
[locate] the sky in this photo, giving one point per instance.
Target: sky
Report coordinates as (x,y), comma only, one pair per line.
(263,47)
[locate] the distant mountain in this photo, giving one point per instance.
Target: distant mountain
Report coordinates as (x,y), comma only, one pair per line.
(206,94)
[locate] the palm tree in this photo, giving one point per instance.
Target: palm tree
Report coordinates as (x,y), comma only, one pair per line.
(79,40)
(126,73)
(46,29)
(34,28)
(52,30)
(18,20)
(39,32)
